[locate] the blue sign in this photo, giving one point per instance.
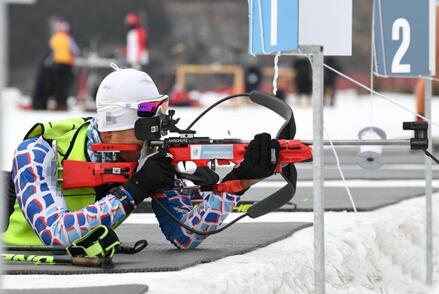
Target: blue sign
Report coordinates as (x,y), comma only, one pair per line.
(215,151)
(273,26)
(404,37)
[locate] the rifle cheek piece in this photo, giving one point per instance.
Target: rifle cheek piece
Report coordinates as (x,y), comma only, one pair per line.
(153,128)
(148,128)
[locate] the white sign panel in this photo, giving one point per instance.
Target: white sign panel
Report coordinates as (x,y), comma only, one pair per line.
(327,23)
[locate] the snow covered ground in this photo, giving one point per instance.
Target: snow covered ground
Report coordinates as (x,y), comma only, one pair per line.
(373,252)
(376,252)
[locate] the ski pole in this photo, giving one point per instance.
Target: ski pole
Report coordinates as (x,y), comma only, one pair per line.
(53,248)
(102,262)
(123,249)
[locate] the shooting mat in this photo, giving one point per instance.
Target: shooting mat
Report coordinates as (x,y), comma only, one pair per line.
(117,289)
(161,256)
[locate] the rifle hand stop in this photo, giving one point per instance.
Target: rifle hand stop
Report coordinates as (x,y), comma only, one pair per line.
(420,141)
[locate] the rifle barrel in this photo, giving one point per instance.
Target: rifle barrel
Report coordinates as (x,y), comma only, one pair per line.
(383,142)
(356,142)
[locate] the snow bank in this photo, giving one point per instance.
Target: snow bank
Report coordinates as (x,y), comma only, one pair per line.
(378,252)
(381,252)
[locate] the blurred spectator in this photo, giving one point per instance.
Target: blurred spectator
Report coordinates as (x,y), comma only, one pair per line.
(253,78)
(137,51)
(303,80)
(419,92)
(180,97)
(420,98)
(63,51)
(43,83)
(330,80)
(280,93)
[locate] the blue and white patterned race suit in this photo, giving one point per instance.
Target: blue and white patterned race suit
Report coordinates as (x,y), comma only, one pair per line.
(42,203)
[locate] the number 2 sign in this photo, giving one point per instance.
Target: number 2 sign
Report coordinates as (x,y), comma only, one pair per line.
(404,37)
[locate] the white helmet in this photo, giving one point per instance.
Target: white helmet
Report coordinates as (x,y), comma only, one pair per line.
(119,94)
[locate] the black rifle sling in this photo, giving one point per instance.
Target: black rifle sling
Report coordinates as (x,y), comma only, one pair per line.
(289,173)
(286,131)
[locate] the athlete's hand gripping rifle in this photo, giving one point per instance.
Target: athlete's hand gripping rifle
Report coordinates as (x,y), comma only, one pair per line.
(207,153)
(204,150)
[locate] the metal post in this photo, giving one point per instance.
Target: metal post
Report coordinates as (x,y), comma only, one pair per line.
(358,142)
(318,180)
(428,190)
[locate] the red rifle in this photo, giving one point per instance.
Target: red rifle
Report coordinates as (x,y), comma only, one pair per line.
(78,174)
(149,128)
(223,152)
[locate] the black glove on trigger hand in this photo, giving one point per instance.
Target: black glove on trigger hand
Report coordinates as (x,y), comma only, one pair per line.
(258,162)
(156,173)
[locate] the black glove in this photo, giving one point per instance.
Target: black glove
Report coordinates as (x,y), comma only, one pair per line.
(260,159)
(156,173)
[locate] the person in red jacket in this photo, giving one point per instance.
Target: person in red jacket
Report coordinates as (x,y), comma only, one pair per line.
(137,51)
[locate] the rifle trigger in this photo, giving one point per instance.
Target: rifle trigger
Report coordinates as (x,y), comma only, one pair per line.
(203,176)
